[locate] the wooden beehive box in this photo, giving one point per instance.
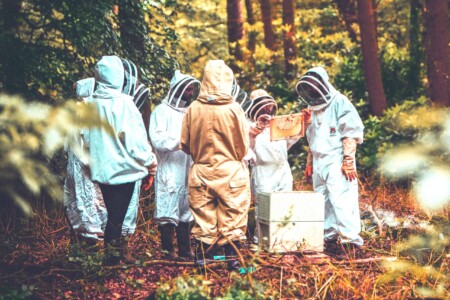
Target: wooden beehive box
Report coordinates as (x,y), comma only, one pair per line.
(291,221)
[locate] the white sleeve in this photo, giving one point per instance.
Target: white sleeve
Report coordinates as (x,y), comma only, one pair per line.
(161,139)
(135,137)
(349,122)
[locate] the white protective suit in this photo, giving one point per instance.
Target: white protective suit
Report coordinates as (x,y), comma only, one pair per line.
(336,121)
(83,199)
(124,156)
(171,182)
(271,171)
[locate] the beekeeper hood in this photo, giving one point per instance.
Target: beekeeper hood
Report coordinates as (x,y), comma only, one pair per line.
(183,90)
(240,96)
(109,75)
(314,88)
(261,104)
(84,88)
(217,83)
(132,86)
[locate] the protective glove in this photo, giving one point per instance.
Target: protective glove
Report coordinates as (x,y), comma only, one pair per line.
(307,119)
(263,122)
(153,167)
(308,168)
(147,182)
(348,163)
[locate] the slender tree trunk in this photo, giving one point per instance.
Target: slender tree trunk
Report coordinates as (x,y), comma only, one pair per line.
(130,16)
(347,10)
(290,50)
(269,38)
(415,48)
(235,26)
(251,20)
(13,68)
(436,24)
(372,69)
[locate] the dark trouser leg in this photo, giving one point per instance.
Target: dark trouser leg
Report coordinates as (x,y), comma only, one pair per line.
(183,240)
(117,199)
(167,232)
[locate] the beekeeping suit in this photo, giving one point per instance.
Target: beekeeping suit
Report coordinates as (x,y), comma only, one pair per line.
(271,171)
(84,203)
(335,130)
(171,195)
(215,134)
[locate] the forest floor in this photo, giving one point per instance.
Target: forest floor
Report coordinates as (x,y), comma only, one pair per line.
(37,261)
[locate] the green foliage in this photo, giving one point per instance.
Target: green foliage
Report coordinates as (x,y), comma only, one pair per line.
(243,289)
(48,45)
(381,134)
(30,134)
(183,288)
(24,292)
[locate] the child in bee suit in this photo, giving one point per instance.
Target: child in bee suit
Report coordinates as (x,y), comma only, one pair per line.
(271,171)
(171,196)
(335,130)
(215,134)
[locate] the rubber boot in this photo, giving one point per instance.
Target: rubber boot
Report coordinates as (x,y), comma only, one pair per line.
(184,241)
(112,253)
(231,256)
(125,253)
(167,232)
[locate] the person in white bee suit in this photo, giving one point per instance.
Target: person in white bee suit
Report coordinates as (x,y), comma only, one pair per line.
(335,130)
(271,171)
(120,158)
(85,208)
(171,187)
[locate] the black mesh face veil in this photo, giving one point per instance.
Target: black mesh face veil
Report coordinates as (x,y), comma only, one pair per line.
(184,93)
(130,77)
(312,90)
(141,94)
(262,106)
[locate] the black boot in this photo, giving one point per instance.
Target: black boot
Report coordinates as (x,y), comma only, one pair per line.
(167,231)
(232,255)
(112,253)
(184,241)
(125,253)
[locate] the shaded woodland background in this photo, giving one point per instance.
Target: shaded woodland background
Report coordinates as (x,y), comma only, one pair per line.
(390,57)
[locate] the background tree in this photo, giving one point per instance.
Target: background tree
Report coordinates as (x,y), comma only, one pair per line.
(372,69)
(437,51)
(415,47)
(235,24)
(266,14)
(290,49)
(347,11)
(251,21)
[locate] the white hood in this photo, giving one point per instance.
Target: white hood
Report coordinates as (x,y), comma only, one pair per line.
(109,75)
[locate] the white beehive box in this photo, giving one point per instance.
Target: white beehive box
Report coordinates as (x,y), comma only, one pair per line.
(291,221)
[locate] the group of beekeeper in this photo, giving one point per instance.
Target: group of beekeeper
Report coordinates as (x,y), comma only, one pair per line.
(204,140)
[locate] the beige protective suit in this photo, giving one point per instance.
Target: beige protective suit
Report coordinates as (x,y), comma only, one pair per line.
(215,134)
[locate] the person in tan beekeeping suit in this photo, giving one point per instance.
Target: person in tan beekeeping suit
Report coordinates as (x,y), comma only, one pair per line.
(215,134)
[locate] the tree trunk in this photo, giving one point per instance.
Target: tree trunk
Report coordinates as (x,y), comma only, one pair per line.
(130,16)
(251,20)
(290,50)
(235,26)
(372,69)
(269,38)
(415,48)
(436,27)
(347,10)
(11,62)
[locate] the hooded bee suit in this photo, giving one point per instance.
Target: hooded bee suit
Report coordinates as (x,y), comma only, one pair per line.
(334,121)
(171,195)
(83,199)
(215,134)
(271,171)
(118,159)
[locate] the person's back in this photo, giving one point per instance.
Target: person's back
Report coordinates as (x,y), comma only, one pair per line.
(216,135)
